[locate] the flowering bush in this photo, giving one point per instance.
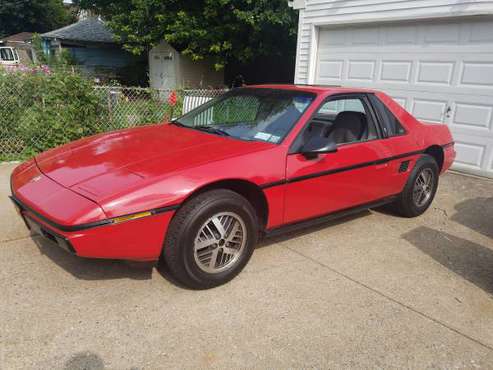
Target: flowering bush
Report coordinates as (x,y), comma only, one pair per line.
(21,68)
(41,108)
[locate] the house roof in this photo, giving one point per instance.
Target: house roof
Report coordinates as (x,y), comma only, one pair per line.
(91,29)
(19,37)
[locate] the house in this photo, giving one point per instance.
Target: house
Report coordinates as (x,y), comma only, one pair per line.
(434,57)
(169,69)
(92,46)
(21,42)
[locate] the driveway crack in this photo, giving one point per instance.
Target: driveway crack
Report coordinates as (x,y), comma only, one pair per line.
(13,239)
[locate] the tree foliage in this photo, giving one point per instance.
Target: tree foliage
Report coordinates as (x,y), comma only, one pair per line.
(223,30)
(32,16)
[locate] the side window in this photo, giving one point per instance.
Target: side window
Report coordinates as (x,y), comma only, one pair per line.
(345,120)
(337,106)
(390,124)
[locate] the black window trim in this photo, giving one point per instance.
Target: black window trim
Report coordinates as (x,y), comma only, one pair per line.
(366,103)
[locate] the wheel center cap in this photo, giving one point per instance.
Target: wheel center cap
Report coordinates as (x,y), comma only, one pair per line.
(221,242)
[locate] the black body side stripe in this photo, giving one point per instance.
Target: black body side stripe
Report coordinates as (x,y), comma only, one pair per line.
(338,170)
(90,225)
(327,217)
(157,211)
(272,184)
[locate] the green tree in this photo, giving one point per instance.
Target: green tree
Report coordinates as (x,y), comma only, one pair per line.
(32,16)
(223,30)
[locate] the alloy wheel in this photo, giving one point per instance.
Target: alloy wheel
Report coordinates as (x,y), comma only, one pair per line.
(220,242)
(423,187)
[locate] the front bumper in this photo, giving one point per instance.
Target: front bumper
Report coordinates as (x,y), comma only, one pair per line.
(41,231)
(139,240)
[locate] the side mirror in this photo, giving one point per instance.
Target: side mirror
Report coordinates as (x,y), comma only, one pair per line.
(318,145)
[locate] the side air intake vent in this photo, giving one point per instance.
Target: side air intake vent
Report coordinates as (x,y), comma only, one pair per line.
(404,166)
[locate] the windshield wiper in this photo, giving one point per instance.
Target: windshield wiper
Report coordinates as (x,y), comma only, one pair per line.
(212,130)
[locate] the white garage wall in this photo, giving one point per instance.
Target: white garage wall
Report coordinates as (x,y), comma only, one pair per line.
(315,13)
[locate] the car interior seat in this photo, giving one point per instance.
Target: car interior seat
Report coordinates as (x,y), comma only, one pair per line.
(348,127)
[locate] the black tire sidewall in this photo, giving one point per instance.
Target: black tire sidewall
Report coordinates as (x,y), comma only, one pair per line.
(408,205)
(195,221)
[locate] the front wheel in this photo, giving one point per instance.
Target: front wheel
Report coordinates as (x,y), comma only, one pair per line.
(210,239)
(420,189)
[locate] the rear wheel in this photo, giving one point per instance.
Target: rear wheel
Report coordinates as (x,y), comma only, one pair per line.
(420,189)
(210,239)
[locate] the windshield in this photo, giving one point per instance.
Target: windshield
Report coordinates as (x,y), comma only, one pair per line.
(250,114)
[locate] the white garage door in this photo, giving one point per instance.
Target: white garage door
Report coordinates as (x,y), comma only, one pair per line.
(439,71)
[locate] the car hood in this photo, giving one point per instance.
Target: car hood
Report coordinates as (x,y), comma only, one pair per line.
(107,163)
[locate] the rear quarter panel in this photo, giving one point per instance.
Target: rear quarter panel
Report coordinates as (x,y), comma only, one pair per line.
(424,134)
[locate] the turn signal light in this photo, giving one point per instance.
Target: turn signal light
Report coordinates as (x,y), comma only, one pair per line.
(134,216)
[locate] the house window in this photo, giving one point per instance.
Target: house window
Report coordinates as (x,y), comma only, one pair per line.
(6,54)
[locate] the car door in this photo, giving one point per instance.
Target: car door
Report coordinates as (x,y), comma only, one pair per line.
(355,174)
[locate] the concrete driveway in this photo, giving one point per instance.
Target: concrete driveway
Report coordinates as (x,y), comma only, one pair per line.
(369,291)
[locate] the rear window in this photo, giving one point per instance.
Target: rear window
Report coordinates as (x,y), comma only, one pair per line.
(390,124)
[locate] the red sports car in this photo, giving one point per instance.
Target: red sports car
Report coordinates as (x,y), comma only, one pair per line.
(196,194)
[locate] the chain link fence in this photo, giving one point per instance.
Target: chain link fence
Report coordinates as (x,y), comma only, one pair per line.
(31,122)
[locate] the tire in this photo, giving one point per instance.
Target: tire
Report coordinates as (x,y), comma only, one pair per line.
(194,228)
(407,204)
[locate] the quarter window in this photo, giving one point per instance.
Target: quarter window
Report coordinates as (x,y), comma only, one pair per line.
(390,124)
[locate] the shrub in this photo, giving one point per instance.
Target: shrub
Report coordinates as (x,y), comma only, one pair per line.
(40,109)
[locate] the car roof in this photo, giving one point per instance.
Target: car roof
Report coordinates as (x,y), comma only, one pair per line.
(317,89)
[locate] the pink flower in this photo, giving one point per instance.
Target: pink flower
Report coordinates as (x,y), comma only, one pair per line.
(45,69)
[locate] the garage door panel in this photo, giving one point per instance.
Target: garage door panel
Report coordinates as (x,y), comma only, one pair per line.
(361,70)
(395,71)
(429,110)
(334,38)
(444,33)
(481,32)
(470,152)
(435,72)
(472,116)
(403,35)
(440,71)
(331,69)
(364,36)
(477,74)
